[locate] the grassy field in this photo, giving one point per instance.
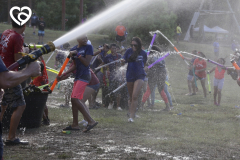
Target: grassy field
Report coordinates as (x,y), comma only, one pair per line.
(201,131)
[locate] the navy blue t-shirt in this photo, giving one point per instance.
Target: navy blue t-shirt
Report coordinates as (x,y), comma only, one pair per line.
(3,68)
(82,70)
(135,68)
(110,58)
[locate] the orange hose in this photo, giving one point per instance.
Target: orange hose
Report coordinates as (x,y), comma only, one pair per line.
(235,65)
(178,52)
(60,73)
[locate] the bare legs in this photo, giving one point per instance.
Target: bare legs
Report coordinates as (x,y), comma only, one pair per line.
(217,92)
(134,89)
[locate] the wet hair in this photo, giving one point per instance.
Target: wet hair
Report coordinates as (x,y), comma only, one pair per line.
(135,54)
(222,60)
(66,45)
(203,55)
(15,15)
(113,45)
(156,48)
(194,52)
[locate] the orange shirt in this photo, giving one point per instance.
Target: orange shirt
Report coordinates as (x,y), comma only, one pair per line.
(41,80)
(120,30)
(200,64)
(219,75)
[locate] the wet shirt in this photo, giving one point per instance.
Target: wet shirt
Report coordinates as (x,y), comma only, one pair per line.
(41,25)
(112,67)
(157,67)
(200,64)
(41,80)
(219,75)
(120,30)
(11,43)
(3,68)
(135,68)
(82,70)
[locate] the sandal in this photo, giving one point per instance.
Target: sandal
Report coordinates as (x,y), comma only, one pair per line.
(89,127)
(16,142)
(71,129)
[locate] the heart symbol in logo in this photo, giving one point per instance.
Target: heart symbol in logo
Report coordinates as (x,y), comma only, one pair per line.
(22,22)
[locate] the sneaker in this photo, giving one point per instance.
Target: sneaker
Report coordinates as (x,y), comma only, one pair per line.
(130,120)
(119,108)
(110,106)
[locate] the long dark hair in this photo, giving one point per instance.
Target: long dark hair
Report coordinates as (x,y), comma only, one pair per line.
(135,54)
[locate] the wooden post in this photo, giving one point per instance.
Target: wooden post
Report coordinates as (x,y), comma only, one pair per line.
(9,7)
(81,11)
(63,15)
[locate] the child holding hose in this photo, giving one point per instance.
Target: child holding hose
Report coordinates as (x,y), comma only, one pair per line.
(218,80)
(200,66)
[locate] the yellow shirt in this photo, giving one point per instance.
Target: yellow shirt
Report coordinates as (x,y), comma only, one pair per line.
(179,29)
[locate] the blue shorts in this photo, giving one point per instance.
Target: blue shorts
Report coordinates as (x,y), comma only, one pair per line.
(95,87)
(131,79)
(41,33)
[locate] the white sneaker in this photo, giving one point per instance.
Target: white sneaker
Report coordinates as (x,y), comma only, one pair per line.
(110,106)
(130,120)
(119,109)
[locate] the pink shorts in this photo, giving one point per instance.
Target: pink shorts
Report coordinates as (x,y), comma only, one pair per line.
(78,89)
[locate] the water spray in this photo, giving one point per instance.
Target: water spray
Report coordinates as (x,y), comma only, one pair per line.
(33,56)
(120,87)
(173,47)
(209,60)
(160,59)
(153,39)
(105,65)
(60,72)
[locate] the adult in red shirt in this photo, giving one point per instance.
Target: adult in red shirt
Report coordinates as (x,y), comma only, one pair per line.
(200,66)
(10,45)
(120,31)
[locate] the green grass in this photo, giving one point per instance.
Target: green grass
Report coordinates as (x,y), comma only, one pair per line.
(203,129)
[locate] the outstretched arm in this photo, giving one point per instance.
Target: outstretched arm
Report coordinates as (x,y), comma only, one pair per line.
(10,79)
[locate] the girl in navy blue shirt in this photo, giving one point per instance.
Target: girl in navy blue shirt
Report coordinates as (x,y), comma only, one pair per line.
(136,59)
(81,64)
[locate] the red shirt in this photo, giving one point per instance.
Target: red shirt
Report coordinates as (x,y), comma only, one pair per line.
(120,30)
(219,75)
(200,64)
(11,43)
(94,80)
(41,80)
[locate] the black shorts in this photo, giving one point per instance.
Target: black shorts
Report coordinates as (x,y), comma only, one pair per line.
(13,97)
(33,24)
(120,38)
